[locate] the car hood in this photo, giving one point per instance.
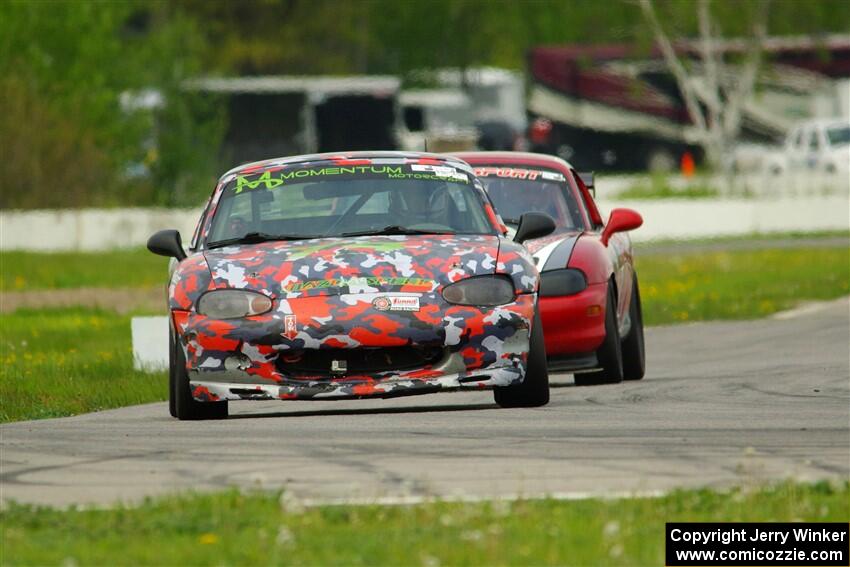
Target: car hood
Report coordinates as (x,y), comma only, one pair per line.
(335,266)
(553,252)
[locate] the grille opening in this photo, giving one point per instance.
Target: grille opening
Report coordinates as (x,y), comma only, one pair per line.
(476,378)
(362,360)
(249,392)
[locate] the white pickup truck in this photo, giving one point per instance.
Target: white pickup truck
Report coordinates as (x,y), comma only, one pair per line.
(821,146)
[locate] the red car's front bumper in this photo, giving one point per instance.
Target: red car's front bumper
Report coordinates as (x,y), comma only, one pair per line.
(574,324)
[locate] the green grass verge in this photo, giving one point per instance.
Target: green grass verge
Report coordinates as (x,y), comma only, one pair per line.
(647,192)
(23,271)
(70,361)
(738,284)
(658,187)
(233,528)
(758,238)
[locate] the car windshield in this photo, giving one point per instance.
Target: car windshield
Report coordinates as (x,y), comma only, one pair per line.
(839,136)
(518,190)
(325,201)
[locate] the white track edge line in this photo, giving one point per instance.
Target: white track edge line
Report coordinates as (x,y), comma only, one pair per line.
(415,499)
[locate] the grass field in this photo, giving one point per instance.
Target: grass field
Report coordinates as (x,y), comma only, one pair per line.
(665,191)
(740,284)
(20,271)
(64,362)
(234,528)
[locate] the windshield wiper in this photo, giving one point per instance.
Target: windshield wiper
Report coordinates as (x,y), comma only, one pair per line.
(254,237)
(395,229)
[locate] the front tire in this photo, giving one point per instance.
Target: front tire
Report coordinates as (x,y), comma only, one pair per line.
(185,407)
(533,391)
(172,375)
(609,354)
(634,354)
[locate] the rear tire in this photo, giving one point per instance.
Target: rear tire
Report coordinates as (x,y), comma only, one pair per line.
(634,353)
(186,408)
(609,354)
(533,391)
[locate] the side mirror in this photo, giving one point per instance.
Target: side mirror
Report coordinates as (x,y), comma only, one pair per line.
(167,243)
(533,225)
(620,220)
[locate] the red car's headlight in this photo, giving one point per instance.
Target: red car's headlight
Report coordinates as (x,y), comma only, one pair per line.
(556,283)
(233,303)
(481,290)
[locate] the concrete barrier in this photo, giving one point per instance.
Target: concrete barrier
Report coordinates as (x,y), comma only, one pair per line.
(90,229)
(704,218)
(102,229)
(150,343)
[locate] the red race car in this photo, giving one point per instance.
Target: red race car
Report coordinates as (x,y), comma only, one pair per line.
(589,297)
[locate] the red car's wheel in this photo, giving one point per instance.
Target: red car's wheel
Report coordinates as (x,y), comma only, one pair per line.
(634,355)
(533,391)
(610,354)
(185,406)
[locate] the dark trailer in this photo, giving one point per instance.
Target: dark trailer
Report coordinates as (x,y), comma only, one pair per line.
(287,115)
(617,107)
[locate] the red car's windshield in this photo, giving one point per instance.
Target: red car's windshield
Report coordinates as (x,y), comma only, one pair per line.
(518,190)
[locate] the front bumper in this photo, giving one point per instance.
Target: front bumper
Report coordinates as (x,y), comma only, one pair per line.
(574,324)
(265,357)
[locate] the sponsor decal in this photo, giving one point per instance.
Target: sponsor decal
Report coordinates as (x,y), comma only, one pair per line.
(290,330)
(552,176)
(280,177)
(396,303)
(518,173)
(362,281)
(273,180)
(440,171)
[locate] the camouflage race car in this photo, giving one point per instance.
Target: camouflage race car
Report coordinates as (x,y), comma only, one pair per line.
(369,274)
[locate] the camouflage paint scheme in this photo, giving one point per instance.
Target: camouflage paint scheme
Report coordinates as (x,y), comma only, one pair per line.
(311,280)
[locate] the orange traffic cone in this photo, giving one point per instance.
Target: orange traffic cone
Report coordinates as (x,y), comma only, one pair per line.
(688,166)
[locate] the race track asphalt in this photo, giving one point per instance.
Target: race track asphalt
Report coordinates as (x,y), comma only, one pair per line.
(723,403)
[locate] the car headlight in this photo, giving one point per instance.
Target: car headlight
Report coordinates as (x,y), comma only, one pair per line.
(481,290)
(233,303)
(562,282)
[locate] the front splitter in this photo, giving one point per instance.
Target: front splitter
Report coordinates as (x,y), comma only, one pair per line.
(210,391)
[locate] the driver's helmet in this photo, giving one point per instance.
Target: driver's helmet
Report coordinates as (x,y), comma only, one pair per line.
(420,203)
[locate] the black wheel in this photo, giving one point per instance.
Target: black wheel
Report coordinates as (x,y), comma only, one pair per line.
(185,406)
(533,391)
(172,379)
(634,355)
(609,354)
